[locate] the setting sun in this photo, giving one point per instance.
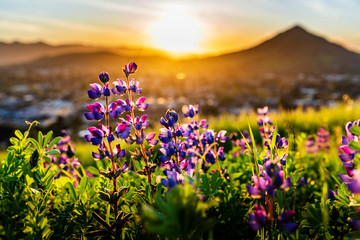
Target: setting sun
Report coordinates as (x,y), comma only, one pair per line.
(177,32)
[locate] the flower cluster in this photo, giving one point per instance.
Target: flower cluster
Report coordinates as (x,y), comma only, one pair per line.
(240,144)
(184,146)
(128,128)
(259,217)
(318,144)
(66,161)
(264,122)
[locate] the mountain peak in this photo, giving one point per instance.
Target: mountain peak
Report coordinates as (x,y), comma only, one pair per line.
(296,28)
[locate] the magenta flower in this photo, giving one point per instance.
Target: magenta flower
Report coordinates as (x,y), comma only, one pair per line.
(258,218)
(97,112)
(141,105)
(96,136)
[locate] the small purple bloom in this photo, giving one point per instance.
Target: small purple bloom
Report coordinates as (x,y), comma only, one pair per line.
(120,87)
(141,105)
(190,111)
(130,68)
(104,77)
(97,112)
(96,91)
(96,136)
(258,218)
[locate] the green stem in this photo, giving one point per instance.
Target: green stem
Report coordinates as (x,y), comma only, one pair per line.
(142,147)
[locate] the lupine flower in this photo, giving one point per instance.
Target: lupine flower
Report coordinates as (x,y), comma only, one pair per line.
(97,112)
(258,218)
(104,77)
(284,220)
(310,145)
(141,105)
(130,68)
(190,111)
(332,194)
(353,181)
(322,139)
(134,87)
(120,87)
(355,222)
(273,179)
(302,182)
(96,136)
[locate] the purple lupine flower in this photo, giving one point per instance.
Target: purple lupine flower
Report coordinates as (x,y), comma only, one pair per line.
(134,87)
(120,87)
(130,68)
(310,145)
(141,105)
(171,117)
(118,152)
(258,218)
(263,111)
(284,220)
(123,129)
(104,77)
(332,194)
(355,222)
(165,136)
(302,182)
(141,122)
(322,139)
(221,154)
(96,91)
(190,111)
(353,182)
(103,152)
(150,138)
(97,112)
(96,136)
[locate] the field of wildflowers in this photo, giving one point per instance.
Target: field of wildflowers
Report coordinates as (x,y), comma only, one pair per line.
(185,180)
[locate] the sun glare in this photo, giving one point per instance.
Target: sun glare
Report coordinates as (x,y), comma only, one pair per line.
(177,32)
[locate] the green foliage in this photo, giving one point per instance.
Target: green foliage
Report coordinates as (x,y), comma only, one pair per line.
(181,215)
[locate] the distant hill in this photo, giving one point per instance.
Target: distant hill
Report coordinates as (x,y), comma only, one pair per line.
(17,52)
(292,51)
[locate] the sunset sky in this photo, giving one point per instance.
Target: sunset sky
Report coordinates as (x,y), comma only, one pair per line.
(195,26)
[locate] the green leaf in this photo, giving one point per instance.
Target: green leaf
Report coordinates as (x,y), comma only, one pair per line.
(53,142)
(83,184)
(40,138)
(93,170)
(139,199)
(47,159)
(19,134)
(35,143)
(53,152)
(355,129)
(354,145)
(47,139)
(71,191)
(205,187)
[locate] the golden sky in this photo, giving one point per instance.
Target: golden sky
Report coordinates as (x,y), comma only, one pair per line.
(187,26)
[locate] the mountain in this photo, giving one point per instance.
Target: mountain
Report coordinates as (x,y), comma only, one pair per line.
(17,52)
(292,51)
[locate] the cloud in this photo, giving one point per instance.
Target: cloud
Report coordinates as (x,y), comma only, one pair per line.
(18,26)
